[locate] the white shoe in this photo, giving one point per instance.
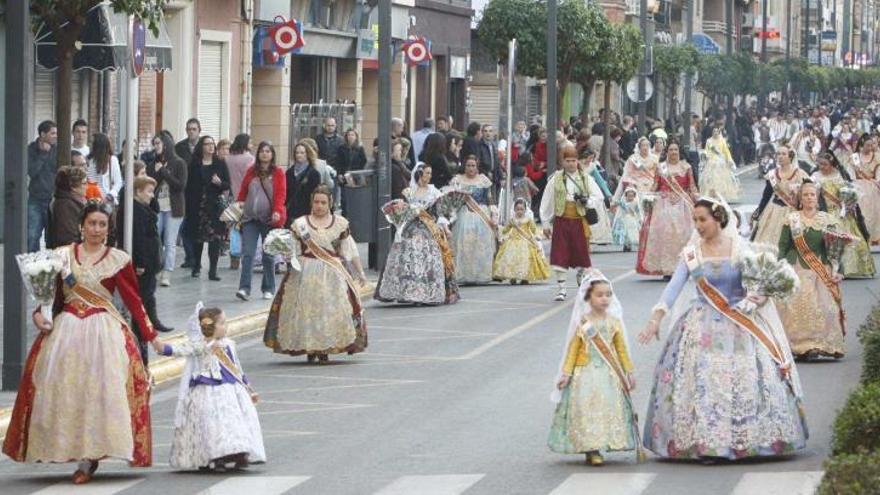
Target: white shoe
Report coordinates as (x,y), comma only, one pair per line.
(242,294)
(560,296)
(164,279)
(268,296)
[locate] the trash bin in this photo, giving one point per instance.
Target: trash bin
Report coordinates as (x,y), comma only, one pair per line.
(359,202)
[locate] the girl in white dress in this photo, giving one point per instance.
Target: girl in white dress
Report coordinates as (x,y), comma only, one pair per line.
(216,424)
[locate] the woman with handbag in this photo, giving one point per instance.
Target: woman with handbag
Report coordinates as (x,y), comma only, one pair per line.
(567,211)
(669,223)
(263,192)
(207,183)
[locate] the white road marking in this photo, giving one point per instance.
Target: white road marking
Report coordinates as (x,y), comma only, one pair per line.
(264,485)
(743,171)
(97,486)
(779,483)
(450,484)
(605,483)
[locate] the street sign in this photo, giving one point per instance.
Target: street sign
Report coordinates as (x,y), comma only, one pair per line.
(632,89)
(706,45)
(138,46)
(417,51)
(286,35)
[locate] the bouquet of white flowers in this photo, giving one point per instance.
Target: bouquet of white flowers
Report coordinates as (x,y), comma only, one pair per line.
(648,202)
(280,242)
(835,243)
(39,271)
(849,198)
(763,274)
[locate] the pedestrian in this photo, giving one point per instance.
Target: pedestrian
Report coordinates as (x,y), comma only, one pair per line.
(328,173)
(715,410)
(639,171)
(80,134)
(146,252)
(327,143)
(318,309)
(471,144)
(420,267)
(866,168)
(103,169)
(350,156)
(488,154)
(238,162)
(474,230)
(216,426)
(564,208)
(454,143)
(520,258)
(600,232)
(594,410)
(78,160)
(398,131)
(263,192)
(170,173)
(112,404)
(669,223)
(185,149)
(779,198)
(206,186)
(302,179)
(435,157)
(223,147)
(536,170)
(400,175)
(42,155)
(718,177)
(627,220)
(419,137)
(67,207)
(813,318)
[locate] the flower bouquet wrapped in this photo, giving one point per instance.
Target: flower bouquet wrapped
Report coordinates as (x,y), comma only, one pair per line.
(280,242)
(849,198)
(763,274)
(39,271)
(648,202)
(835,243)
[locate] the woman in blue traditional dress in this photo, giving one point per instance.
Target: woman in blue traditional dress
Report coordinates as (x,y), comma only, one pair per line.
(474,226)
(420,267)
(725,386)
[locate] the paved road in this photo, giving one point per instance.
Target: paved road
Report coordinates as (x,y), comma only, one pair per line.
(453,400)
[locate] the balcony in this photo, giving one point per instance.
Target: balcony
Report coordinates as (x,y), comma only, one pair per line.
(715,27)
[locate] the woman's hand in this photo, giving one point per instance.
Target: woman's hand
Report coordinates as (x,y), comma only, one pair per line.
(276,217)
(651,331)
(757,299)
(215,180)
(159,165)
(139,271)
(255,397)
(837,277)
(563,382)
(632,380)
(548,233)
(42,324)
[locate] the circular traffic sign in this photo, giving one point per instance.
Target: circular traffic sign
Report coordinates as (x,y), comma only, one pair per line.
(417,52)
(138,46)
(286,37)
(632,89)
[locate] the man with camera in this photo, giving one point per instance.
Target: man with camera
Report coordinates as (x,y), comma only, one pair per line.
(567,211)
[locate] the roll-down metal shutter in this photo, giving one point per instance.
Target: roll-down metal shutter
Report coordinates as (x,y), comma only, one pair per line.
(211,92)
(485,105)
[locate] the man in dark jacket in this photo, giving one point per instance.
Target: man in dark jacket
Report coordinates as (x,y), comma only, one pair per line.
(471,144)
(488,156)
(329,142)
(42,154)
(185,148)
(146,248)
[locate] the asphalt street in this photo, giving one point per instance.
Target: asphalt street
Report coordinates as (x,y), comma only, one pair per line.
(455,399)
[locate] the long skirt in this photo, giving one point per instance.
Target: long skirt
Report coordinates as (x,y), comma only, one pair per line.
(869,202)
(718,178)
(520,259)
(857,261)
(811,318)
(664,234)
(415,271)
(593,413)
(770,224)
(473,243)
(600,233)
(312,313)
(626,229)
(718,393)
(84,395)
(218,421)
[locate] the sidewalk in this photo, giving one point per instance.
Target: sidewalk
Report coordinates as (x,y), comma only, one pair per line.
(176,303)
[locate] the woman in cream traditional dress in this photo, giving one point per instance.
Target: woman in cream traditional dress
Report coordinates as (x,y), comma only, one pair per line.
(856,261)
(725,386)
(639,171)
(474,226)
(866,169)
(318,309)
(85,394)
(669,223)
(813,318)
(779,198)
(420,268)
(717,176)
(600,232)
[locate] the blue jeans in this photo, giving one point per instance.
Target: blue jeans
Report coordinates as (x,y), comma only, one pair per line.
(38,221)
(169,227)
(251,232)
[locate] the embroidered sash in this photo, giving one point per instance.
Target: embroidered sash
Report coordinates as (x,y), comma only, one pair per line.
(333,262)
(476,208)
(720,303)
(612,362)
(231,367)
(776,184)
(676,187)
(816,265)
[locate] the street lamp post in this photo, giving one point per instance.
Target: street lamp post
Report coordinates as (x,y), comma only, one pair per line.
(383,178)
(552,119)
(688,78)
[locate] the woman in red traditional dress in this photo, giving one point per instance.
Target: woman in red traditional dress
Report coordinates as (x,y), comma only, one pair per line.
(85,393)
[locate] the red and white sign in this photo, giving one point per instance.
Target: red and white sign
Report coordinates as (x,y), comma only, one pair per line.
(286,35)
(417,51)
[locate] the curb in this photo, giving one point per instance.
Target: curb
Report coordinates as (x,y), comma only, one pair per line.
(166,369)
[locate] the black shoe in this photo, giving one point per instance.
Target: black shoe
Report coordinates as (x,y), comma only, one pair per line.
(162,328)
(214,277)
(186,264)
(196,273)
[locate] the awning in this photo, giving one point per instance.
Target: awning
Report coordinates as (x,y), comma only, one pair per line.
(105,44)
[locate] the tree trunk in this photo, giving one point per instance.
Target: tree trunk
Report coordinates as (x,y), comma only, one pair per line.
(606,135)
(588,87)
(66,38)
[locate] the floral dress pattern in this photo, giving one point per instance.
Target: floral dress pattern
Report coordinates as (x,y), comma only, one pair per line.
(473,241)
(667,226)
(857,261)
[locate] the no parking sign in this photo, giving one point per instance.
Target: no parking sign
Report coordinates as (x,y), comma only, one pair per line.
(286,35)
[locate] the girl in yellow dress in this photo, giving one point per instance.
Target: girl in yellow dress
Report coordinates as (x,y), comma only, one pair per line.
(520,257)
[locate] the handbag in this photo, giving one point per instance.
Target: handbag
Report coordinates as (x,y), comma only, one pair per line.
(592,216)
(232,213)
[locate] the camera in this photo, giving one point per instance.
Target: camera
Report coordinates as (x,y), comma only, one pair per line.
(582,199)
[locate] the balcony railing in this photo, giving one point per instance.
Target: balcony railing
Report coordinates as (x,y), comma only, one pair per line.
(715,27)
